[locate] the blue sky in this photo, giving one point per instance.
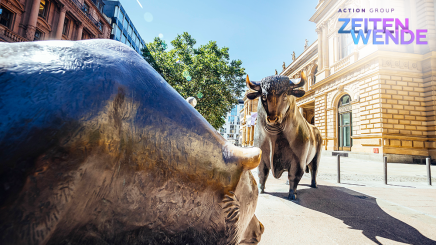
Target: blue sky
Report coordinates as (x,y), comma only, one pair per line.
(262,34)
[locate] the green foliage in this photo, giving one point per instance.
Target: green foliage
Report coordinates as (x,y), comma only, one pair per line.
(205,73)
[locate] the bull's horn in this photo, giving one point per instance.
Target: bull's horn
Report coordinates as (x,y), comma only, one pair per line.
(299,82)
(249,158)
(253,85)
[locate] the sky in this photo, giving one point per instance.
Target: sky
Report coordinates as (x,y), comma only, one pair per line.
(262,34)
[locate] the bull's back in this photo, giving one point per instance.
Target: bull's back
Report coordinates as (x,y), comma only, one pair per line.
(96,142)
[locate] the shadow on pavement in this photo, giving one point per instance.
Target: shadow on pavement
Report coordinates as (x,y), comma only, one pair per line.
(358,211)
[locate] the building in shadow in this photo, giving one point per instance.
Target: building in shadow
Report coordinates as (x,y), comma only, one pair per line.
(32,20)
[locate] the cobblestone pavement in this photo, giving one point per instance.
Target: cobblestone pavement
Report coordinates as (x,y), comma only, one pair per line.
(359,210)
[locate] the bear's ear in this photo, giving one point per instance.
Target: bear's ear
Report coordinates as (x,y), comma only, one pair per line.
(297,93)
(254,95)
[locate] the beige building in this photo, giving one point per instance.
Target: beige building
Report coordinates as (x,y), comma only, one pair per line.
(371,100)
(247,124)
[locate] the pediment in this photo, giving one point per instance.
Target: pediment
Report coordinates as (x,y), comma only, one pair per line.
(43,24)
(15,4)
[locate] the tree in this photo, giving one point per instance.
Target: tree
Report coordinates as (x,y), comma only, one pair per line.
(205,73)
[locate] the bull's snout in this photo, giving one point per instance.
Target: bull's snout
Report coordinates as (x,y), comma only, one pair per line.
(273,119)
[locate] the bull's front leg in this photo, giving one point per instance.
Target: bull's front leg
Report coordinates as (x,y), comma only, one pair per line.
(262,171)
(294,176)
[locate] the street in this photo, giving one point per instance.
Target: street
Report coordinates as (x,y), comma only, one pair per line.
(360,210)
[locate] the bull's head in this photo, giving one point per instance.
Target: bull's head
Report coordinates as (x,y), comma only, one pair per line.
(276,95)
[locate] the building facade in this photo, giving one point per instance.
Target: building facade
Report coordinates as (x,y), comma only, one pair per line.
(371,100)
(123,29)
(248,115)
(32,20)
(230,130)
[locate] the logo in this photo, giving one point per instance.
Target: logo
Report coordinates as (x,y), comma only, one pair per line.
(381,30)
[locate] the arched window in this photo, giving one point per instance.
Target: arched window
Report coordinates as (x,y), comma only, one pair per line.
(344,125)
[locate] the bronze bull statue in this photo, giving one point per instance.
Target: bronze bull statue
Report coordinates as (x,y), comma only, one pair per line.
(288,142)
(97,148)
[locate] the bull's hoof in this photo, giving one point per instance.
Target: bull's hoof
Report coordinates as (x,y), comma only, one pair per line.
(261,189)
(292,196)
(314,185)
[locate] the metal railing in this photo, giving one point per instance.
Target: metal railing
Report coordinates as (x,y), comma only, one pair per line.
(82,7)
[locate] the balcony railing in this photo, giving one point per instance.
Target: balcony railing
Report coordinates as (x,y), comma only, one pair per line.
(13,36)
(85,11)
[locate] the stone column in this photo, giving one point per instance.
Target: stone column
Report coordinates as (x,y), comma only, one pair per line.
(33,19)
(336,47)
(325,46)
(248,136)
(412,5)
(319,31)
(252,136)
(79,31)
(61,23)
(243,136)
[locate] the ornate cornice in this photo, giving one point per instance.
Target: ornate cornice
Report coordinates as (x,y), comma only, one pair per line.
(15,4)
(43,24)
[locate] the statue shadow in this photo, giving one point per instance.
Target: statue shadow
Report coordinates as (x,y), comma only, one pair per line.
(358,211)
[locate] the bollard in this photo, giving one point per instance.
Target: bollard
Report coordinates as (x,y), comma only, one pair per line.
(339,168)
(385,169)
(427,162)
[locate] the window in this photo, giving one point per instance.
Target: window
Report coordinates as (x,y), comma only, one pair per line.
(344,125)
(38,35)
(116,11)
(123,38)
(86,8)
(43,8)
(100,25)
(118,33)
(65,28)
(85,35)
(347,45)
(128,43)
(137,41)
(6,18)
(125,24)
(114,30)
(134,38)
(121,17)
(129,30)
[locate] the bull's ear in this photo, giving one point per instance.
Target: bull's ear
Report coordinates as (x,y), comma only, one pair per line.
(252,96)
(297,93)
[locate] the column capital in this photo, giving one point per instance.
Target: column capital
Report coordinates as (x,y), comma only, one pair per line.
(62,8)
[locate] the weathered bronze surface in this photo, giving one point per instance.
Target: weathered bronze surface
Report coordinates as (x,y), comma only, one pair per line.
(288,142)
(96,148)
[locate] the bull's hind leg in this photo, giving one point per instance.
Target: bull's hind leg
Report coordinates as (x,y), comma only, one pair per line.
(262,171)
(294,177)
(314,169)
